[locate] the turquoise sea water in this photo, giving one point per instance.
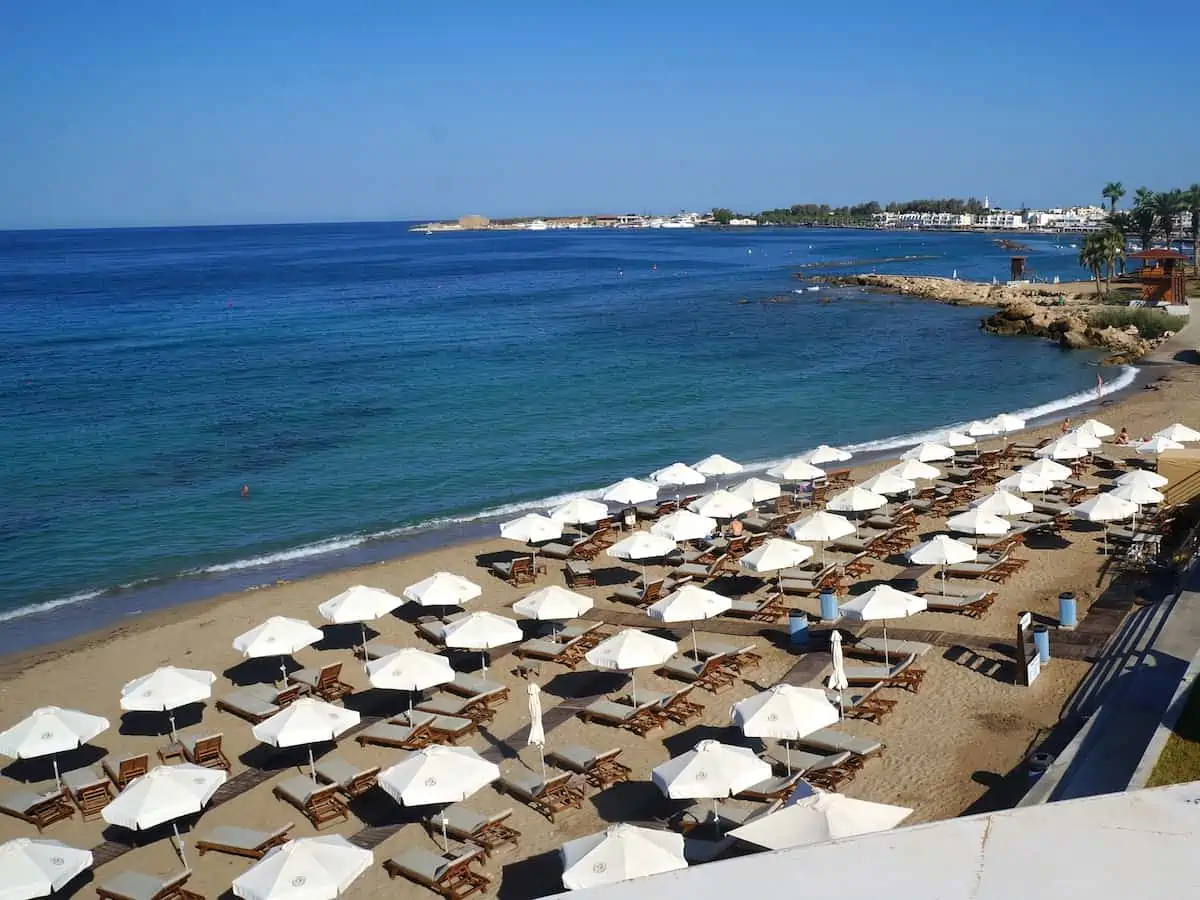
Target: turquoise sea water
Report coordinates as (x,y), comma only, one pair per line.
(366,382)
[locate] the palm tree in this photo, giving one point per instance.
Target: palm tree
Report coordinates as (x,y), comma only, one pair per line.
(1167,205)
(1192,199)
(1143,196)
(1113,191)
(1122,224)
(1144,219)
(1111,246)
(1093,256)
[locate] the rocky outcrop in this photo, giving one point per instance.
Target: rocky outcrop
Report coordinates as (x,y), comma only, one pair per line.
(961,293)
(1070,327)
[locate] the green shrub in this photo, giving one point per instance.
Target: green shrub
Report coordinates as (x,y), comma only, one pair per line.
(1150,323)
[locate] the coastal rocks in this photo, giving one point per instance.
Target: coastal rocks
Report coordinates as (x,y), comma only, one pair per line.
(1069,328)
(958,292)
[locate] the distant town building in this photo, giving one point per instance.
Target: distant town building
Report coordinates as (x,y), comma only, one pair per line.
(743,221)
(1002,220)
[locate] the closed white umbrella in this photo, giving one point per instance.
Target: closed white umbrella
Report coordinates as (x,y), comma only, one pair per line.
(630,492)
(837,678)
(820,817)
(955,439)
(1179,433)
(164,794)
(482,631)
(442,589)
(914,470)
(50,730)
(307,721)
(36,867)
(1066,447)
(684,525)
(641,546)
(821,527)
(409,669)
(532,528)
(881,603)
(360,604)
(1046,468)
(311,868)
(537,731)
(756,490)
(1002,503)
(775,555)
(1006,423)
(1104,508)
(717,465)
(1025,483)
(784,712)
(720,505)
(888,484)
(942,550)
(977,522)
(1157,446)
(166,689)
(1096,429)
(1084,439)
(796,470)
(928,452)
(277,636)
(438,774)
(823,454)
(619,853)
(631,649)
(1143,477)
(710,770)
(690,604)
(553,603)
(579,510)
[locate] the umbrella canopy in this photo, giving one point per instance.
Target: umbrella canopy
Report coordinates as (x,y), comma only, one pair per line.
(756,490)
(710,770)
(1007,422)
(619,853)
(1139,494)
(856,499)
(677,474)
(1066,447)
(552,603)
(578,510)
(826,454)
(167,688)
(631,649)
(955,439)
(942,550)
(630,492)
(1104,508)
(720,505)
(437,774)
(784,711)
(820,817)
(977,521)
(50,729)
(795,470)
(774,555)
(820,526)
(306,721)
(928,453)
(311,868)
(717,465)
(482,631)
(978,428)
(1179,433)
(1096,429)
(882,602)
(683,525)
(442,589)
(277,636)
(689,604)
(1046,468)
(162,795)
(1025,483)
(531,528)
(837,678)
(1144,478)
(914,470)
(409,669)
(888,484)
(1084,439)
(1002,503)
(358,604)
(36,867)
(1157,446)
(641,545)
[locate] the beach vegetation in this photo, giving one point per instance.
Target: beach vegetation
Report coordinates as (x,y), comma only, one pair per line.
(1099,254)
(721,215)
(1180,759)
(1191,198)
(1144,220)
(1113,192)
(1150,323)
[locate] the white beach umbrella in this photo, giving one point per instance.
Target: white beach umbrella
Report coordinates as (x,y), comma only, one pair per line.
(942,550)
(50,730)
(1157,446)
(166,689)
(837,677)
(1138,494)
(1046,468)
(928,452)
(820,817)
(307,721)
(717,465)
(630,492)
(537,731)
(978,428)
(1002,503)
(532,528)
(955,439)
(756,490)
(821,527)
(311,868)
(1144,478)
(442,589)
(438,774)
(1066,447)
(1104,508)
(553,603)
(796,470)
(1006,423)
(1084,439)
(36,867)
(579,510)
(774,555)
(856,499)
(784,712)
(361,604)
(720,505)
(1096,429)
(915,470)
(710,770)
(164,794)
(618,853)
(677,474)
(409,669)
(641,546)
(1025,483)
(978,522)
(881,603)
(1179,433)
(823,454)
(689,604)
(277,636)
(684,525)
(888,484)
(482,631)
(631,649)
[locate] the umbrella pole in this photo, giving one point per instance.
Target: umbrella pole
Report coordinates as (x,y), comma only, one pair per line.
(364,644)
(179,844)
(542,755)
(312,765)
(633,687)
(886,662)
(787,746)
(283,669)
(171,717)
(57,779)
(445,836)
(717,815)
(841,704)
(695,647)
(943,581)
(483,661)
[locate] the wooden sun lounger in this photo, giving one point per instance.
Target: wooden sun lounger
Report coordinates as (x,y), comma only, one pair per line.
(899,674)
(827,771)
(40,805)
(644,596)
(601,769)
(90,790)
(320,803)
(326,682)
(516,571)
(484,830)
(864,704)
(256,703)
(140,886)
(245,842)
(830,740)
(391,734)
(972,606)
(353,781)
(204,750)
(493,693)
(548,650)
(761,609)
(777,787)
(736,656)
(444,703)
(678,708)
(656,510)
(375,649)
(873,648)
(123,769)
(550,797)
(640,719)
(702,573)
(448,874)
(710,674)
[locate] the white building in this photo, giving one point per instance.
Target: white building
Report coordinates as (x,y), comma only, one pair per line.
(1071,218)
(922,220)
(1001,220)
(743,221)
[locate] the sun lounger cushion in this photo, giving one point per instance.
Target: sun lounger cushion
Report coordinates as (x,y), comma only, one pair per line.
(461,819)
(689,669)
(607,709)
(20,800)
(336,770)
(526,785)
(576,758)
(378,649)
(899,649)
(775,784)
(425,866)
(244,702)
(937,601)
(386,733)
(299,789)
(543,648)
(632,594)
(242,838)
(834,741)
(434,631)
(77,779)
(140,886)
(475,685)
(575,630)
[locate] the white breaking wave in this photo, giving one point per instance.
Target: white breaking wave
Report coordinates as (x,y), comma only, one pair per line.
(24,611)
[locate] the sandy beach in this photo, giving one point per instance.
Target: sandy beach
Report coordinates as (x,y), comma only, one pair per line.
(967,728)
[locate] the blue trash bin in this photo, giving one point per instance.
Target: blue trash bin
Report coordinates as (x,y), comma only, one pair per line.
(798,628)
(829,607)
(1041,640)
(1066,610)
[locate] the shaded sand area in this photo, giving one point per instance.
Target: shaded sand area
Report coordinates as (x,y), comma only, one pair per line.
(946,745)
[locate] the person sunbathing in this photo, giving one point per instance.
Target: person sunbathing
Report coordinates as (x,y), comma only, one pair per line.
(1122,437)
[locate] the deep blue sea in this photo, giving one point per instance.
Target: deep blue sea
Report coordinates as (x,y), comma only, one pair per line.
(368,383)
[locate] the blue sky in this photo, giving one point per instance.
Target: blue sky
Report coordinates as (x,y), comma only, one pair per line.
(147,113)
